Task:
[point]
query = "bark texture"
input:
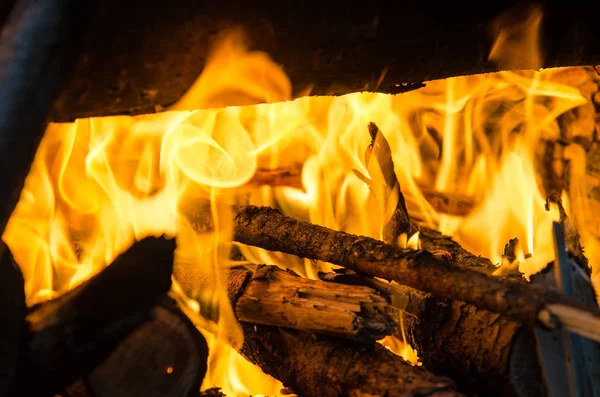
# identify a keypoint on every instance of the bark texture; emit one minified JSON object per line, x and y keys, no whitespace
{"x":321,"y":366}
{"x":281,"y":298}
{"x":471,"y":345}
{"x":269,"y":229}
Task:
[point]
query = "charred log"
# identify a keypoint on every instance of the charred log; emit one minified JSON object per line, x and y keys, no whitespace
{"x":163,"y":357}
{"x":453,"y":338}
{"x":71,"y":335}
{"x":153,"y":53}
{"x":269,"y":229}
{"x":281,"y":298}
{"x":317,"y":365}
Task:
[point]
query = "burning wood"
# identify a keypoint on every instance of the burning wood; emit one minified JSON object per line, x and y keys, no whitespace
{"x":99,"y":184}
{"x":318,"y":365}
{"x":73,"y":334}
{"x":270,"y":229}
{"x":271,"y":296}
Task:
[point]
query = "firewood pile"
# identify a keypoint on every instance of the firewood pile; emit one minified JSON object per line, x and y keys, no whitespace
{"x":477,"y":331}
{"x":119,"y":333}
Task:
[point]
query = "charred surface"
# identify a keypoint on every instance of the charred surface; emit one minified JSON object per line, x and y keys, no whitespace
{"x":72,"y":334}
{"x":281,"y":298}
{"x":152,"y":52}
{"x":269,"y":229}
{"x":321,"y":366}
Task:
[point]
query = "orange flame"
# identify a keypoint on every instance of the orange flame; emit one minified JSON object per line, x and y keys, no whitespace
{"x":99,"y":184}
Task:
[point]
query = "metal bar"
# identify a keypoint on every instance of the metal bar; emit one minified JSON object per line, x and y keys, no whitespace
{"x":39,"y":47}
{"x":572,"y":342}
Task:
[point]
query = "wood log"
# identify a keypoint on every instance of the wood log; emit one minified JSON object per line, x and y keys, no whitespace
{"x":455,"y":339}
{"x":272,"y":296}
{"x":153,"y":53}
{"x":269,"y":229}
{"x":323,"y":366}
{"x":71,"y":335}
{"x":163,"y":357}
{"x":12,"y":318}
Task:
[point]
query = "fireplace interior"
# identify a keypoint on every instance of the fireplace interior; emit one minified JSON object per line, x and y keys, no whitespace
{"x":299,"y":198}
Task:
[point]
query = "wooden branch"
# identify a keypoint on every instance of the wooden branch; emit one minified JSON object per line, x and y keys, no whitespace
{"x":453,"y":338}
{"x":318,"y":365}
{"x":292,"y":177}
{"x":282,"y":176}
{"x":71,"y":335}
{"x":163,"y":357}
{"x":12,"y":318}
{"x":269,"y":229}
{"x":272,"y":296}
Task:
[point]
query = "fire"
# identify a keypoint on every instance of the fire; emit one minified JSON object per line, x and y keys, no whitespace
{"x":99,"y":184}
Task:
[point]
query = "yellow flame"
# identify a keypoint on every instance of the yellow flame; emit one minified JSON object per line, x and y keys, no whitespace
{"x":99,"y":184}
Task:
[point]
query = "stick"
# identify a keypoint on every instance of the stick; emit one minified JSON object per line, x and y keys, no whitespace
{"x":74,"y":333}
{"x":272,"y":296}
{"x":39,"y":46}
{"x":269,"y":229}
{"x":318,"y":365}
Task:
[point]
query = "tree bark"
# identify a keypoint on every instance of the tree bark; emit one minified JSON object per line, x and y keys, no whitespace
{"x":322,"y":366}
{"x":456,"y":339}
{"x":269,"y":229}
{"x":71,"y":335}
{"x":272,"y":296}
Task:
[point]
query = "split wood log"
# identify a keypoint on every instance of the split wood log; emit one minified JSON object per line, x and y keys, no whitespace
{"x":12,"y":318}
{"x":163,"y":357}
{"x":322,"y":366}
{"x":71,"y":335}
{"x":272,"y":296}
{"x":269,"y":229}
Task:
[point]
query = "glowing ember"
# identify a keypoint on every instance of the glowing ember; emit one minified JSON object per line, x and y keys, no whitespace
{"x":99,"y":184}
